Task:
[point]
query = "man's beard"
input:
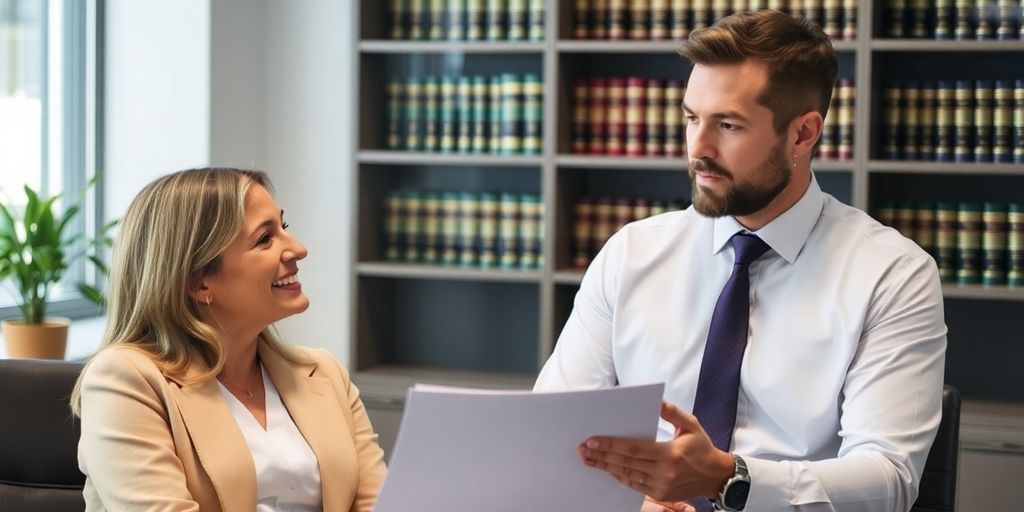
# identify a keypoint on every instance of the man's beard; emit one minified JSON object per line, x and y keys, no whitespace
{"x":741,"y":198}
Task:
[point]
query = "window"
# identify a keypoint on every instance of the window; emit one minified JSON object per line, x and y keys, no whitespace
{"x":48,"y":122}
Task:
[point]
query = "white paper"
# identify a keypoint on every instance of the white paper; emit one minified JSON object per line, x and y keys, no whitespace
{"x":470,"y":450}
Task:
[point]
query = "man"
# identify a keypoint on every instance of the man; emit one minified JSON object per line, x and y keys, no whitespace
{"x":810,"y":346}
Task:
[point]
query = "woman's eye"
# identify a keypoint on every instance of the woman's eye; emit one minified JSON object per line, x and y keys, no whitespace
{"x":265,"y":239}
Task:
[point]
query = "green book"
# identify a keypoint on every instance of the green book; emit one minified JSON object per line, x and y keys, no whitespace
{"x":412,"y":226}
{"x":431,"y":96}
{"x":508,"y":231}
{"x":533,"y":106}
{"x":448,"y":114}
{"x":393,"y":226}
{"x":488,"y":230}
{"x":469,"y":229}
{"x":450,"y":228}
{"x":431,"y":212}
{"x":511,"y":114}
{"x":464,"y":105}
{"x":413,"y":114}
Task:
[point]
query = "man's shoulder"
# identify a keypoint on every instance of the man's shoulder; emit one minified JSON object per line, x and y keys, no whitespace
{"x":854,"y":231}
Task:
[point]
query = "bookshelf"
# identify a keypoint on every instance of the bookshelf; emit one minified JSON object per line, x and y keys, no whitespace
{"x":495,"y":328}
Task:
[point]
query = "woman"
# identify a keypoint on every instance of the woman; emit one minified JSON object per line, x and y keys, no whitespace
{"x":192,"y":403}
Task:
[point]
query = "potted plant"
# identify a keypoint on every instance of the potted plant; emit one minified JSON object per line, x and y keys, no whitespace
{"x":36,"y":250}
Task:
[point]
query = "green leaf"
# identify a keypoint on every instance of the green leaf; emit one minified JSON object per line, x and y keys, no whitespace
{"x":100,"y":265}
{"x":92,"y":293}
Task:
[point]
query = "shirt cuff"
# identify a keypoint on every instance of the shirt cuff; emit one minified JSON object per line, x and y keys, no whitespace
{"x":771,"y":485}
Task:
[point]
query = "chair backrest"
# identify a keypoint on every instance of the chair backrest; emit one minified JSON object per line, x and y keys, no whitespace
{"x":39,"y":437}
{"x":938,"y":483}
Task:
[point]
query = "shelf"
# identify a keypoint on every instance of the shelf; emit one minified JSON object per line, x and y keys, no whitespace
{"x":925,"y":167}
{"x":405,"y":47}
{"x":393,"y":381}
{"x":568,"y":277}
{"x":416,"y":271}
{"x":924,"y":45}
{"x":667,"y":163}
{"x":977,"y":291}
{"x":601,"y":46}
{"x":425,"y":158}
{"x":992,"y":426}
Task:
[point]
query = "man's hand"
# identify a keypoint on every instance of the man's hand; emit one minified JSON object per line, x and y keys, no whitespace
{"x":653,"y":505}
{"x":686,"y":467}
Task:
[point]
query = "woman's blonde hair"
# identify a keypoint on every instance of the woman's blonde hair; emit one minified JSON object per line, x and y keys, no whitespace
{"x":172,"y":236}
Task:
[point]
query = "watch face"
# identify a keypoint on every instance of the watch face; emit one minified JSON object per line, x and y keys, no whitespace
{"x":736,"y":495}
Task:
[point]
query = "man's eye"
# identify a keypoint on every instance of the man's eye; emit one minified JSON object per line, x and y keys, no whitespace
{"x":691,"y":119}
{"x":728,"y":126}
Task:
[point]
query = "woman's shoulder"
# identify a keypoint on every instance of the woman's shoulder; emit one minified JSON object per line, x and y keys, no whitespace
{"x":122,"y":359}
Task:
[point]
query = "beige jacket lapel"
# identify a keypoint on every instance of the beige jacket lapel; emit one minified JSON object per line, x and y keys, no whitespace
{"x":219,"y":444}
{"x":314,"y":407}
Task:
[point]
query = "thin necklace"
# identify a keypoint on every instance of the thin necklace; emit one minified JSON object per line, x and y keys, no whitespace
{"x":249,"y":392}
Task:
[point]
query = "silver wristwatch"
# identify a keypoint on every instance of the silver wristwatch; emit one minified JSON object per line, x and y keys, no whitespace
{"x":734,"y":495}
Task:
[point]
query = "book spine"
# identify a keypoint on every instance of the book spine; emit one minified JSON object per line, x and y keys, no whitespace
{"x":778,"y":5}
{"x":511,"y":114}
{"x":579,"y":115}
{"x":846,"y":112}
{"x":944,"y":19}
{"x":892,"y":96}
{"x":488,"y":230}
{"x":701,"y":14}
{"x":418,"y":19}
{"x":529,"y":230}
{"x":983,"y":98}
{"x":944,"y":107}
{"x":533,"y":95}
{"x":450,"y":228}
{"x":1018,"y":121}
{"x":680,"y":19}
{"x":456,"y":20}
{"x":968,"y":243}
{"x":640,"y":13}
{"x":658,"y":207}
{"x":641,"y":208}
{"x":518,"y":21}
{"x":431,"y":207}
{"x":993,"y":244}
{"x":394,"y":114}
{"x":833,"y":16}
{"x":813,"y":11}
{"x":392,"y":226}
{"x":475,"y":23}
{"x":1015,"y":244}
{"x":911,"y":121}
{"x":495,"y":93}
{"x":653,"y":121}
{"x":603,"y":226}
{"x":431,"y":95}
{"x":615,"y":144}
{"x":411,"y":226}
{"x":1007,"y":20}
{"x":964,"y":23}
{"x":849,"y":20}
{"x":398,"y":13}
{"x":945,"y":240}
{"x":985,"y":28}
{"x":413,"y":112}
{"x":469,"y":229}
{"x":904,"y":221}
{"x":828,"y":149}
{"x":448,"y":114}
{"x":508,"y":231}
{"x":599,"y":12}
{"x":480,"y":111}
{"x":497,"y":19}
{"x":963,"y":115}
{"x":1002,"y":122}
{"x":464,"y":106}
{"x":919,"y":18}
{"x":659,"y":19}
{"x":674,"y":122}
{"x":635,"y":106}
{"x":581,"y":20}
{"x":895,"y":10}
{"x":537,"y":20}
{"x":437,"y":13}
{"x":924,"y":226}
{"x":926,"y":147}
{"x":757,"y":5}
{"x":596,"y":116}
{"x":720,"y":9}
{"x":886,"y":213}
{"x":622,"y":213}
{"x":617,"y":19}
{"x":583,"y":212}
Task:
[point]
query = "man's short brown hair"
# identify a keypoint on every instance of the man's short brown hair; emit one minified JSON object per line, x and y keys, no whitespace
{"x":800,"y":61}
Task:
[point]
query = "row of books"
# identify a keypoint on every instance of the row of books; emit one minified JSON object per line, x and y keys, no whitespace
{"x":961,"y":121}
{"x":836,"y":141}
{"x":469,"y":229}
{"x":596,"y":219}
{"x":675,"y":19}
{"x":498,"y":115}
{"x":467,"y":20}
{"x":954,"y":19}
{"x":971,"y":242}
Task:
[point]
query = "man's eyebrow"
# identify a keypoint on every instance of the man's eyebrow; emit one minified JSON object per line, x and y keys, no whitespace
{"x":728,"y":114}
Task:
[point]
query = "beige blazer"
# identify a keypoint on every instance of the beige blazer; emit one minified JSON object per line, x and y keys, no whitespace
{"x":152,"y":442}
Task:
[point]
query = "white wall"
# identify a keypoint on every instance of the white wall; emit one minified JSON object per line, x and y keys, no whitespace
{"x":243,"y":83}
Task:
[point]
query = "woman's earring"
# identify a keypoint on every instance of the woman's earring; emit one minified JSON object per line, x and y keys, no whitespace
{"x":207,"y":300}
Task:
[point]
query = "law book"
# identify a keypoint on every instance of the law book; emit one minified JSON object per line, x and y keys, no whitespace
{"x":418,"y":19}
{"x":828,"y":148}
{"x":497,"y":19}
{"x":597,"y":121}
{"x":456,"y":20}
{"x":398,"y":13}
{"x":449,"y":228}
{"x":911,"y":120}
{"x":431,"y":208}
{"x":494,"y":88}
{"x":739,"y":6}
{"x":719,"y":9}
{"x":579,"y":115}
{"x":904,"y":221}
{"x":895,"y":11}
{"x":536,"y":8}
{"x":531,"y":213}
{"x":1015,"y":244}
{"x":488,"y":209}
{"x":641,"y":208}
{"x":508,"y":230}
{"x":636,"y":106}
{"x":963,"y":116}
{"x":919,"y":11}
{"x":944,"y":19}
{"x":892,"y":99}
{"x":603,"y":226}
{"x":924,"y":226}
{"x":431,"y":119}
{"x":983,"y":104}
{"x":617,"y":19}
{"x":945,"y":240}
{"x":511,"y":114}
{"x":475,"y":20}
{"x":622,"y":212}
{"x":533,"y":95}
{"x":757,"y":5}
{"x":464,"y":107}
{"x":964,"y":20}
{"x":411,"y":226}
{"x":968,"y":243}
{"x":993,"y":243}
{"x":813,"y":11}
{"x":481,"y":109}
{"x":392,"y":226}
{"x":581,"y":20}
{"x":796,"y":8}
{"x":849,"y":20}
{"x":1002,"y":122}
{"x":469,"y":229}
{"x":944,"y":106}
{"x":413,"y":113}
{"x":653,"y":119}
{"x":886,"y":213}
{"x":677,"y":205}
{"x":1018,"y":121}
{"x":680,"y":19}
{"x":833,"y":18}
{"x":437,"y":15}
{"x":639,"y":14}
{"x":926,"y":146}
{"x":846,"y":114}
{"x":779,"y":5}
{"x":394,"y":114}
{"x":583,"y":211}
{"x":985,"y":28}
{"x":1007,"y":29}
{"x":673,"y":118}
{"x":518,"y":20}
{"x":701,"y":11}
{"x":448,"y":115}
{"x":616,"y":114}
{"x":599,"y":19}
{"x":658,"y":206}
{"x":659,"y":19}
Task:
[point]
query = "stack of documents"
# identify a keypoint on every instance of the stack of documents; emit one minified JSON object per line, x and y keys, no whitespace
{"x":461,"y":450}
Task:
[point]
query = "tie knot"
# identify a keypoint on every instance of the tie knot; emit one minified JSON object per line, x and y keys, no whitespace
{"x":748,"y":248}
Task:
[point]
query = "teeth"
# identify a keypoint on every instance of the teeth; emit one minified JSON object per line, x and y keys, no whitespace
{"x":294,"y":278}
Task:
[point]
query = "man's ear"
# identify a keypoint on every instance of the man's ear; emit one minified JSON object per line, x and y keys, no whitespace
{"x":808,"y":127}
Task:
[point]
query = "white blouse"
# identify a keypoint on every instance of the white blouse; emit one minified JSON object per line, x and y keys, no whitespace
{"x":287,"y":473}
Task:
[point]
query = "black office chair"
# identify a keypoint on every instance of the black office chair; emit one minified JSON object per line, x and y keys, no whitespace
{"x":39,"y":437}
{"x":938,"y":483}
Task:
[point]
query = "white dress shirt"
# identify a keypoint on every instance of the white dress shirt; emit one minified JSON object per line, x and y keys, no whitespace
{"x":841,"y":383}
{"x":287,"y":473}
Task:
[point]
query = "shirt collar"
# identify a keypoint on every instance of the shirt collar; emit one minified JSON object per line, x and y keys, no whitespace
{"x":787,"y":233}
